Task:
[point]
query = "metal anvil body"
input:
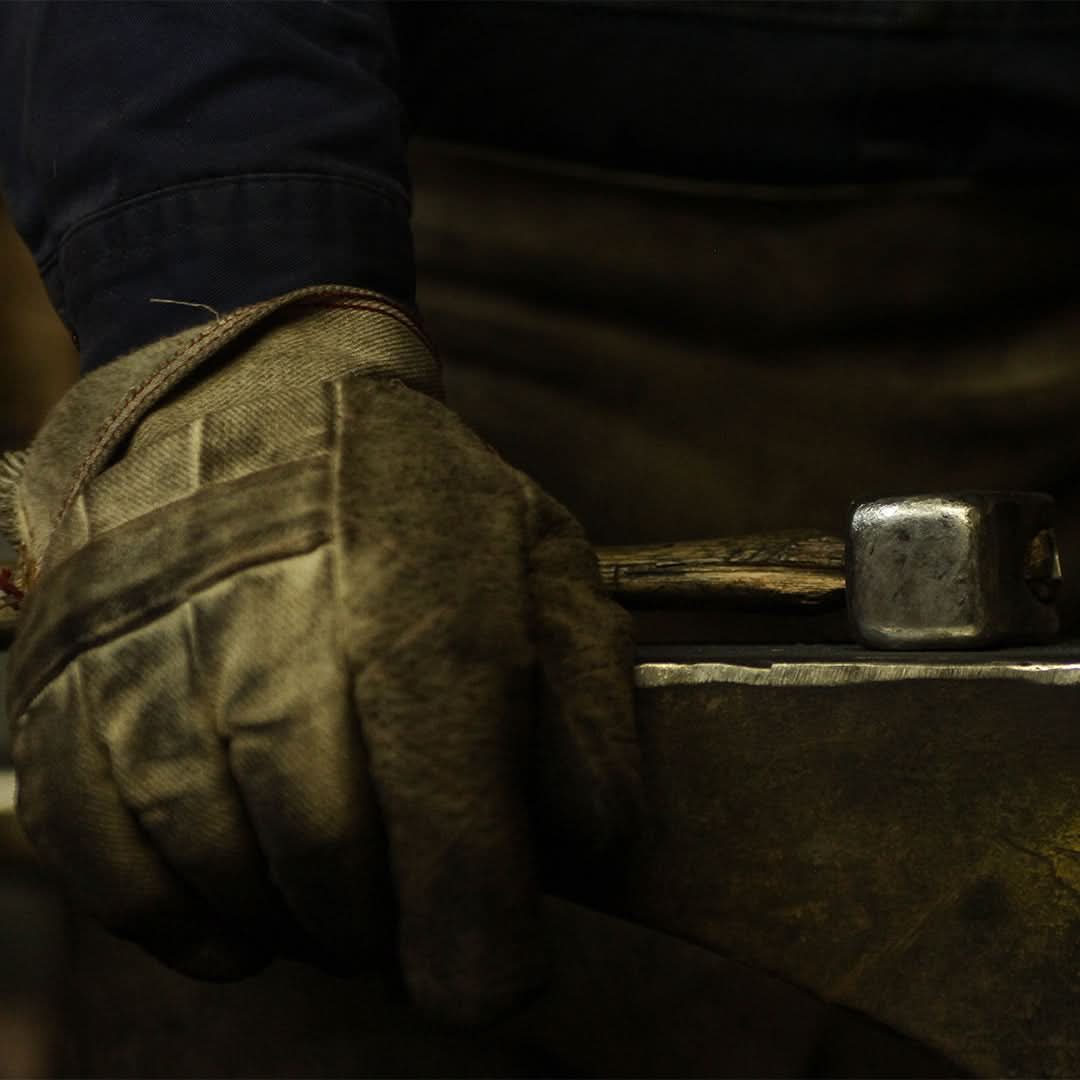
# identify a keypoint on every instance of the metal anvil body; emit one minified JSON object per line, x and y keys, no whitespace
{"x":899,"y":833}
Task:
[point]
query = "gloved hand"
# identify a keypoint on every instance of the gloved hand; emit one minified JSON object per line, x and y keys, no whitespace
{"x":303,"y":664}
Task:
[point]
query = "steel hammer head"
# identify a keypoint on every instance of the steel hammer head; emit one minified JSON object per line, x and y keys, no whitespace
{"x":957,"y":571}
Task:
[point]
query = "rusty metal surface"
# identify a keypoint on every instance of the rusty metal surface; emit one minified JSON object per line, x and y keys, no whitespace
{"x":897,"y":832}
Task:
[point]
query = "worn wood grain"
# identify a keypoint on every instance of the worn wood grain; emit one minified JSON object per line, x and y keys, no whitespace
{"x":780,"y":571}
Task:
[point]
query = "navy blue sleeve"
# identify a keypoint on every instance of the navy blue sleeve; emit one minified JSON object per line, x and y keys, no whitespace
{"x":215,"y":153}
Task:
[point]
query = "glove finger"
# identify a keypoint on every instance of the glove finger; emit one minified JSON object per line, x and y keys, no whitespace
{"x":89,"y":840}
{"x":445,"y":739}
{"x":433,"y":595}
{"x":587,"y":759}
{"x":296,"y":753}
{"x":155,"y":696}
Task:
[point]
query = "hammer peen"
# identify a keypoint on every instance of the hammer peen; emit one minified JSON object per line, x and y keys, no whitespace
{"x":968,"y":570}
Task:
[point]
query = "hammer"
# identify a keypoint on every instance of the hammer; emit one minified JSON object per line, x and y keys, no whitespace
{"x":969,"y":570}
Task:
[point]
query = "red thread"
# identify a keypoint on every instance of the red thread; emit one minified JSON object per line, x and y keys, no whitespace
{"x":11,"y":591}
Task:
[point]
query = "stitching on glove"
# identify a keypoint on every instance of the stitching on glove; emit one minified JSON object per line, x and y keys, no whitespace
{"x":395,"y":313}
{"x":155,"y":378}
{"x":188,"y":356}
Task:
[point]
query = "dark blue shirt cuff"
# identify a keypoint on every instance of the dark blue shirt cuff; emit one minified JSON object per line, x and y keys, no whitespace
{"x":215,"y":153}
{"x":222,"y":243}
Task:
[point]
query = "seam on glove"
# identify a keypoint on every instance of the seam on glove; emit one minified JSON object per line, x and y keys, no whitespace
{"x":85,"y":607}
{"x":399,"y":315}
{"x":175,"y":365}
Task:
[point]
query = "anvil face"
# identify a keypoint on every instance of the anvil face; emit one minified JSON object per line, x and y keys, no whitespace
{"x":827,"y":665}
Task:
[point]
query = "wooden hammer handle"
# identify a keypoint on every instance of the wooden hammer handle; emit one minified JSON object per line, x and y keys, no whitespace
{"x":784,"y":571}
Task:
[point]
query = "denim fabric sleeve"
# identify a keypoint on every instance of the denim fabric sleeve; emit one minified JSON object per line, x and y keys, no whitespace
{"x":213,"y":153}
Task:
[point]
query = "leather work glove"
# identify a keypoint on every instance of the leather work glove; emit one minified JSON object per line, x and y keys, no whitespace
{"x":303,"y":666}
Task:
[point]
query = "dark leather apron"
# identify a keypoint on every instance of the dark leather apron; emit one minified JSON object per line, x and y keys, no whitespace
{"x":675,"y":359}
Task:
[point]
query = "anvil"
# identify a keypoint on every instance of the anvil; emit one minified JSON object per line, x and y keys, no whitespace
{"x":897,"y":832}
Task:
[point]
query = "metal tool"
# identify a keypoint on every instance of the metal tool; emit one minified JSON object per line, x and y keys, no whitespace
{"x":897,"y":832}
{"x":967,"y":570}
{"x":964,"y":570}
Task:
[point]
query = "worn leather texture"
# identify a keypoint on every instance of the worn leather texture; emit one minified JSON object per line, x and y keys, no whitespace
{"x":304,"y":666}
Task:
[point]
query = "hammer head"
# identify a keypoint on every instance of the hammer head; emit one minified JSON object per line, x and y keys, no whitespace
{"x":959,"y":571}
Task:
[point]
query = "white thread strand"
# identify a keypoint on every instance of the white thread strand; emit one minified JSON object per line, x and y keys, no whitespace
{"x":184,"y":303}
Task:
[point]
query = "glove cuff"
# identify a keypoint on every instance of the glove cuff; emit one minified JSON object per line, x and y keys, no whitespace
{"x":286,"y":343}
